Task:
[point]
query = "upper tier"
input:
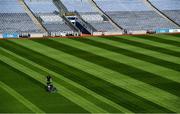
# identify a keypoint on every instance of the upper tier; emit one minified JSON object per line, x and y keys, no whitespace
{"x":122,"y":5}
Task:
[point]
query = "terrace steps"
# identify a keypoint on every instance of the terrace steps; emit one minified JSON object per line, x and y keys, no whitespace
{"x":148,"y":3}
{"x":96,"y":7}
{"x":32,"y":16}
{"x":60,"y":6}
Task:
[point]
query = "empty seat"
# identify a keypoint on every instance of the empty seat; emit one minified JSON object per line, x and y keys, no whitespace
{"x":57,"y":27}
{"x":47,"y":11}
{"x":51,"y":18}
{"x":89,"y":14}
{"x":166,"y":4}
{"x":174,"y":15}
{"x":144,"y":20}
{"x":134,"y":15}
{"x":41,"y":6}
{"x":92,"y":17}
{"x":104,"y":26}
{"x":78,"y":5}
{"x":121,"y":5}
{"x":17,"y":22}
{"x":10,"y":6}
{"x":14,"y":19}
{"x":171,"y":8}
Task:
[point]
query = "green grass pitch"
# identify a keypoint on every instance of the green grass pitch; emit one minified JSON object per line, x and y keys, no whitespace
{"x":119,"y":74}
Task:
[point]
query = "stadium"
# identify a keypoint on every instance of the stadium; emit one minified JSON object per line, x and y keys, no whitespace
{"x":89,"y":56}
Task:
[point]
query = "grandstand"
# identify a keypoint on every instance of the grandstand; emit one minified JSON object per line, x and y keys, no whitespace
{"x":55,"y":25}
{"x":134,"y":15}
{"x":13,"y":18}
{"x":169,"y":8}
{"x":91,"y":15}
{"x":95,"y":17}
{"x":48,"y":15}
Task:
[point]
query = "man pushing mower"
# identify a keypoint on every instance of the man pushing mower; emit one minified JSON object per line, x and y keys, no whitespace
{"x":50,"y":88}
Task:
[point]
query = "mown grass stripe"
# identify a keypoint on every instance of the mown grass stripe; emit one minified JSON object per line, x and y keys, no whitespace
{"x":103,"y":99}
{"x":130,"y":63}
{"x":168,"y":37}
{"x":63,"y":91}
{"x":161,"y":41}
{"x":144,"y":44}
{"x":9,"y":104}
{"x":55,"y":67}
{"x":131,"y":53}
{"x":131,"y":101}
{"x":176,"y":35}
{"x":20,"y":98}
{"x":65,"y":84}
{"x":35,"y":91}
{"x":144,"y":90}
{"x":149,"y":40}
{"x":172,"y":61}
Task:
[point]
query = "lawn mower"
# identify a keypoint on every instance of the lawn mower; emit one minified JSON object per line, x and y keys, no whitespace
{"x":49,"y":87}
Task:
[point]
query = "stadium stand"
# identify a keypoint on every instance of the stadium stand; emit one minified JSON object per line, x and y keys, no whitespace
{"x":51,"y":18}
{"x":41,"y":6}
{"x":78,"y":5}
{"x":54,"y":23}
{"x":46,"y":12}
{"x":97,"y":21}
{"x":170,"y":8}
{"x":90,"y":15}
{"x":10,"y":6}
{"x":13,"y":18}
{"x":134,"y":15}
{"x":96,"y":17}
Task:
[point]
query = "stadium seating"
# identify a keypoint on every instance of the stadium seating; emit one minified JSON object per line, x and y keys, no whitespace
{"x":143,"y":20}
{"x":57,"y":27}
{"x":14,"y":19}
{"x":92,"y":17}
{"x":171,"y":8}
{"x":166,"y":4}
{"x":104,"y":26}
{"x":51,"y":18}
{"x":78,"y":5}
{"x":97,"y":21}
{"x":133,"y":15}
{"x":46,"y":10}
{"x":89,"y":14}
{"x":54,"y":23}
{"x":174,"y":15}
{"x":10,"y":6}
{"x":17,"y":22}
{"x":41,"y":6}
{"x":121,"y":5}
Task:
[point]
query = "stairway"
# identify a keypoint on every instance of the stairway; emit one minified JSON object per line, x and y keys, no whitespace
{"x":98,"y":9}
{"x":32,"y":16}
{"x":80,"y":25}
{"x":150,"y":5}
{"x":60,"y":6}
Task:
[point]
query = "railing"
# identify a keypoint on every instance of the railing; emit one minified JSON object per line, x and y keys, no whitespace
{"x":161,"y":12}
{"x":70,"y":24}
{"x":60,"y":6}
{"x":86,"y":25}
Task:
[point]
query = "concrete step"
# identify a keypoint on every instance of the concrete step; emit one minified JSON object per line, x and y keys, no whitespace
{"x":32,"y":16}
{"x":151,"y":6}
{"x":98,"y":9}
